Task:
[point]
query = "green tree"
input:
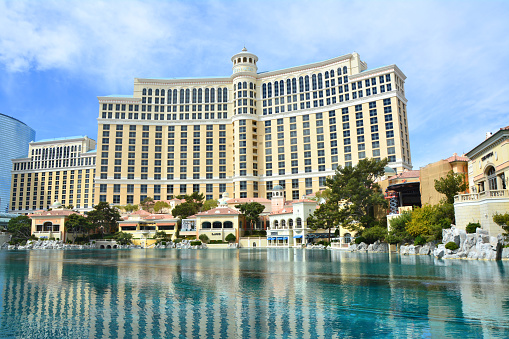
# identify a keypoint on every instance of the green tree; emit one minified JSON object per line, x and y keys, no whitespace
{"x":451,"y":185}
{"x":209,"y":204}
{"x":398,"y":233}
{"x":503,"y":221}
{"x":20,"y":227}
{"x":251,"y":211}
{"x":158,"y":206}
{"x":161,"y":236}
{"x":429,"y":221}
{"x":129,"y":208}
{"x":204,"y":238}
{"x":354,"y":194}
{"x":326,"y":216}
{"x":192,"y":205}
{"x":77,"y":223}
{"x":123,"y":238}
{"x":104,"y":216}
{"x":148,"y":204}
{"x":372,"y":234}
{"x":230,"y":238}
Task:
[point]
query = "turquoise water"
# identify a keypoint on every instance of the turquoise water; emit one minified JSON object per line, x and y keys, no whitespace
{"x":249,"y":293}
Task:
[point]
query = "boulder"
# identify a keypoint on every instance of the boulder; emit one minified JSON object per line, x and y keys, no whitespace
{"x":439,"y":252}
{"x":413,"y":249}
{"x":505,"y":253}
{"x":352,"y":247}
{"x":362,"y":247}
{"x":427,"y":249}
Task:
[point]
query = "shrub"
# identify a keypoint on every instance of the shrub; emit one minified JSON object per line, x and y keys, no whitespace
{"x":230,"y":238}
{"x":177,"y":240}
{"x":374,"y":233}
{"x":428,"y":221}
{"x":398,"y":233}
{"x":419,"y":241}
{"x":216,"y":242}
{"x":196,"y":243}
{"x":358,"y":240}
{"x":203,"y":238}
{"x":163,"y":243}
{"x":451,"y":245}
{"x":472,"y":226}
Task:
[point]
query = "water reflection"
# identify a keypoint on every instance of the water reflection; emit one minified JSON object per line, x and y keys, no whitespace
{"x":248,"y":293}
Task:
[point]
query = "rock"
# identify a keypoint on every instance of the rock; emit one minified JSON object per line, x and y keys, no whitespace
{"x":362,"y":247}
{"x":439,"y":252}
{"x":505,"y":253}
{"x":352,"y":247}
{"x":427,"y":249}
{"x":403,"y":250}
{"x":413,"y":250}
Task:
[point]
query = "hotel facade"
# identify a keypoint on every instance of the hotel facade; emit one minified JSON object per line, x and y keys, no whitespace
{"x":246,"y":133}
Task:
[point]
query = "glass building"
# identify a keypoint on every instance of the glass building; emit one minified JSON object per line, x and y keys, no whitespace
{"x":14,"y":138}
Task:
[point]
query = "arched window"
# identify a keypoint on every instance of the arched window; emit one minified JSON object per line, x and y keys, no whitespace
{"x":239,"y":60}
{"x":313,"y":81}
{"x":245,"y":59}
{"x":162,"y":92}
{"x":276,"y":89}
{"x":275,"y":224}
{"x":301,"y":84}
{"x":206,"y":224}
{"x":269,"y":90}
{"x":157,"y":92}
{"x":332,"y":73}
{"x":306,"y":82}
{"x":347,"y":238}
{"x":219,"y":95}
{"x":290,"y":223}
{"x":288,"y":86}
{"x":250,"y":60}
{"x":282,"y":87}
{"x":264,"y":90}
{"x":150,"y":91}
{"x":345,"y":70}
{"x":294,"y":85}
{"x":239,"y":86}
{"x":283,"y":223}
{"x":182,"y":96}
{"x":144,"y":92}
{"x":212,"y":94}
{"x":175,"y":96}
{"x":244,"y":85}
{"x":320,"y":81}
{"x":200,"y":95}
{"x":492,"y":178}
{"x":217,"y":224}
{"x":339,"y":71}
{"x":195,"y":95}
{"x":250,"y":85}
{"x":228,"y":224}
{"x":188,"y":94}
{"x":326,"y":74}
{"x":299,"y":222}
{"x":225,"y":95}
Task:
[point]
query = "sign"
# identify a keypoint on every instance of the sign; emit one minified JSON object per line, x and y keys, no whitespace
{"x":216,"y":233}
{"x":487,"y":156}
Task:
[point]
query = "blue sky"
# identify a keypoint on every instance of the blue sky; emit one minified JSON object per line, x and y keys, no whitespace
{"x":56,"y":57}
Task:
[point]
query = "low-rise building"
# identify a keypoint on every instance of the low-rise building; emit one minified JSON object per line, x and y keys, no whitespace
{"x":51,"y":224}
{"x":488,"y":172}
{"x":144,"y":225}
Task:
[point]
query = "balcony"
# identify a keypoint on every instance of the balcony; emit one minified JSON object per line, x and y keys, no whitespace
{"x":482,"y":195}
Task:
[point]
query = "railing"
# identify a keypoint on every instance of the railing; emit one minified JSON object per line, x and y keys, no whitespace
{"x":481,"y":195}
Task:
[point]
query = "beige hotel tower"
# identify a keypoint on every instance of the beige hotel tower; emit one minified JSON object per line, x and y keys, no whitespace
{"x":246,"y":133}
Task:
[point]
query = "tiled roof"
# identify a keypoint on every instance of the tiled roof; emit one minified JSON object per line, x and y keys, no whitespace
{"x":159,"y":216}
{"x":53,"y":213}
{"x":219,"y":210}
{"x":456,"y":157}
{"x":406,"y":174}
{"x":285,"y":210}
{"x":303,"y":200}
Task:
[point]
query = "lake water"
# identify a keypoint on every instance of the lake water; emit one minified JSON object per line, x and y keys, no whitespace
{"x":249,"y":293}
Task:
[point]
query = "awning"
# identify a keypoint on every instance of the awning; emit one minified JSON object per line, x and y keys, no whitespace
{"x":270,"y":238}
{"x":280,"y":238}
{"x":286,"y":238}
{"x":297,"y":236}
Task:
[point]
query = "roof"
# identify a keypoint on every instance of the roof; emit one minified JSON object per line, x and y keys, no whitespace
{"x":52,"y":213}
{"x":501,"y":133}
{"x":285,"y":210}
{"x":140,"y":212}
{"x":406,"y":174}
{"x":219,"y":211}
{"x":159,"y":216}
{"x":302,"y":200}
{"x":456,"y":157}
{"x":244,"y":200}
{"x":60,"y":139}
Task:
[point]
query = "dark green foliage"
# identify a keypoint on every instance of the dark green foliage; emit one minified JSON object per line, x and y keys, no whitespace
{"x":148,"y":204}
{"x":20,"y":228}
{"x":230,"y":238}
{"x":77,"y":223}
{"x":336,"y":233}
{"x":123,"y":238}
{"x":360,"y":239}
{"x":251,"y":212}
{"x":503,"y":221}
{"x":472,"y":226}
{"x":104,"y":217}
{"x":419,"y":241}
{"x":204,"y":238}
{"x":177,"y":240}
{"x":451,"y":185}
{"x":451,"y":245}
{"x":216,"y":242}
{"x":196,"y":243}
{"x":192,"y":205}
{"x":374,"y":233}
{"x":429,"y":221}
{"x":398,"y":233}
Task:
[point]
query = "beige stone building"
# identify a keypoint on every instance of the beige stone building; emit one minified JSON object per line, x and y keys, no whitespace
{"x":488,"y":173}
{"x":250,"y":131}
{"x":61,"y":169}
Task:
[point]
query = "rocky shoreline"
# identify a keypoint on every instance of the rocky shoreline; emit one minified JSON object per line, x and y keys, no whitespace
{"x":474,"y":246}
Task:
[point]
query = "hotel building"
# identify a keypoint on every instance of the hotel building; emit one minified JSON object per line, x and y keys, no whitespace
{"x":248,"y":132}
{"x":60,"y":169}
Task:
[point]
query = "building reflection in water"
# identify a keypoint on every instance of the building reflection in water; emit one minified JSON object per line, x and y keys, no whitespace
{"x":247,"y":293}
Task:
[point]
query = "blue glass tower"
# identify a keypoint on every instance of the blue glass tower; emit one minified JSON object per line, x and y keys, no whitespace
{"x":14,"y":139}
